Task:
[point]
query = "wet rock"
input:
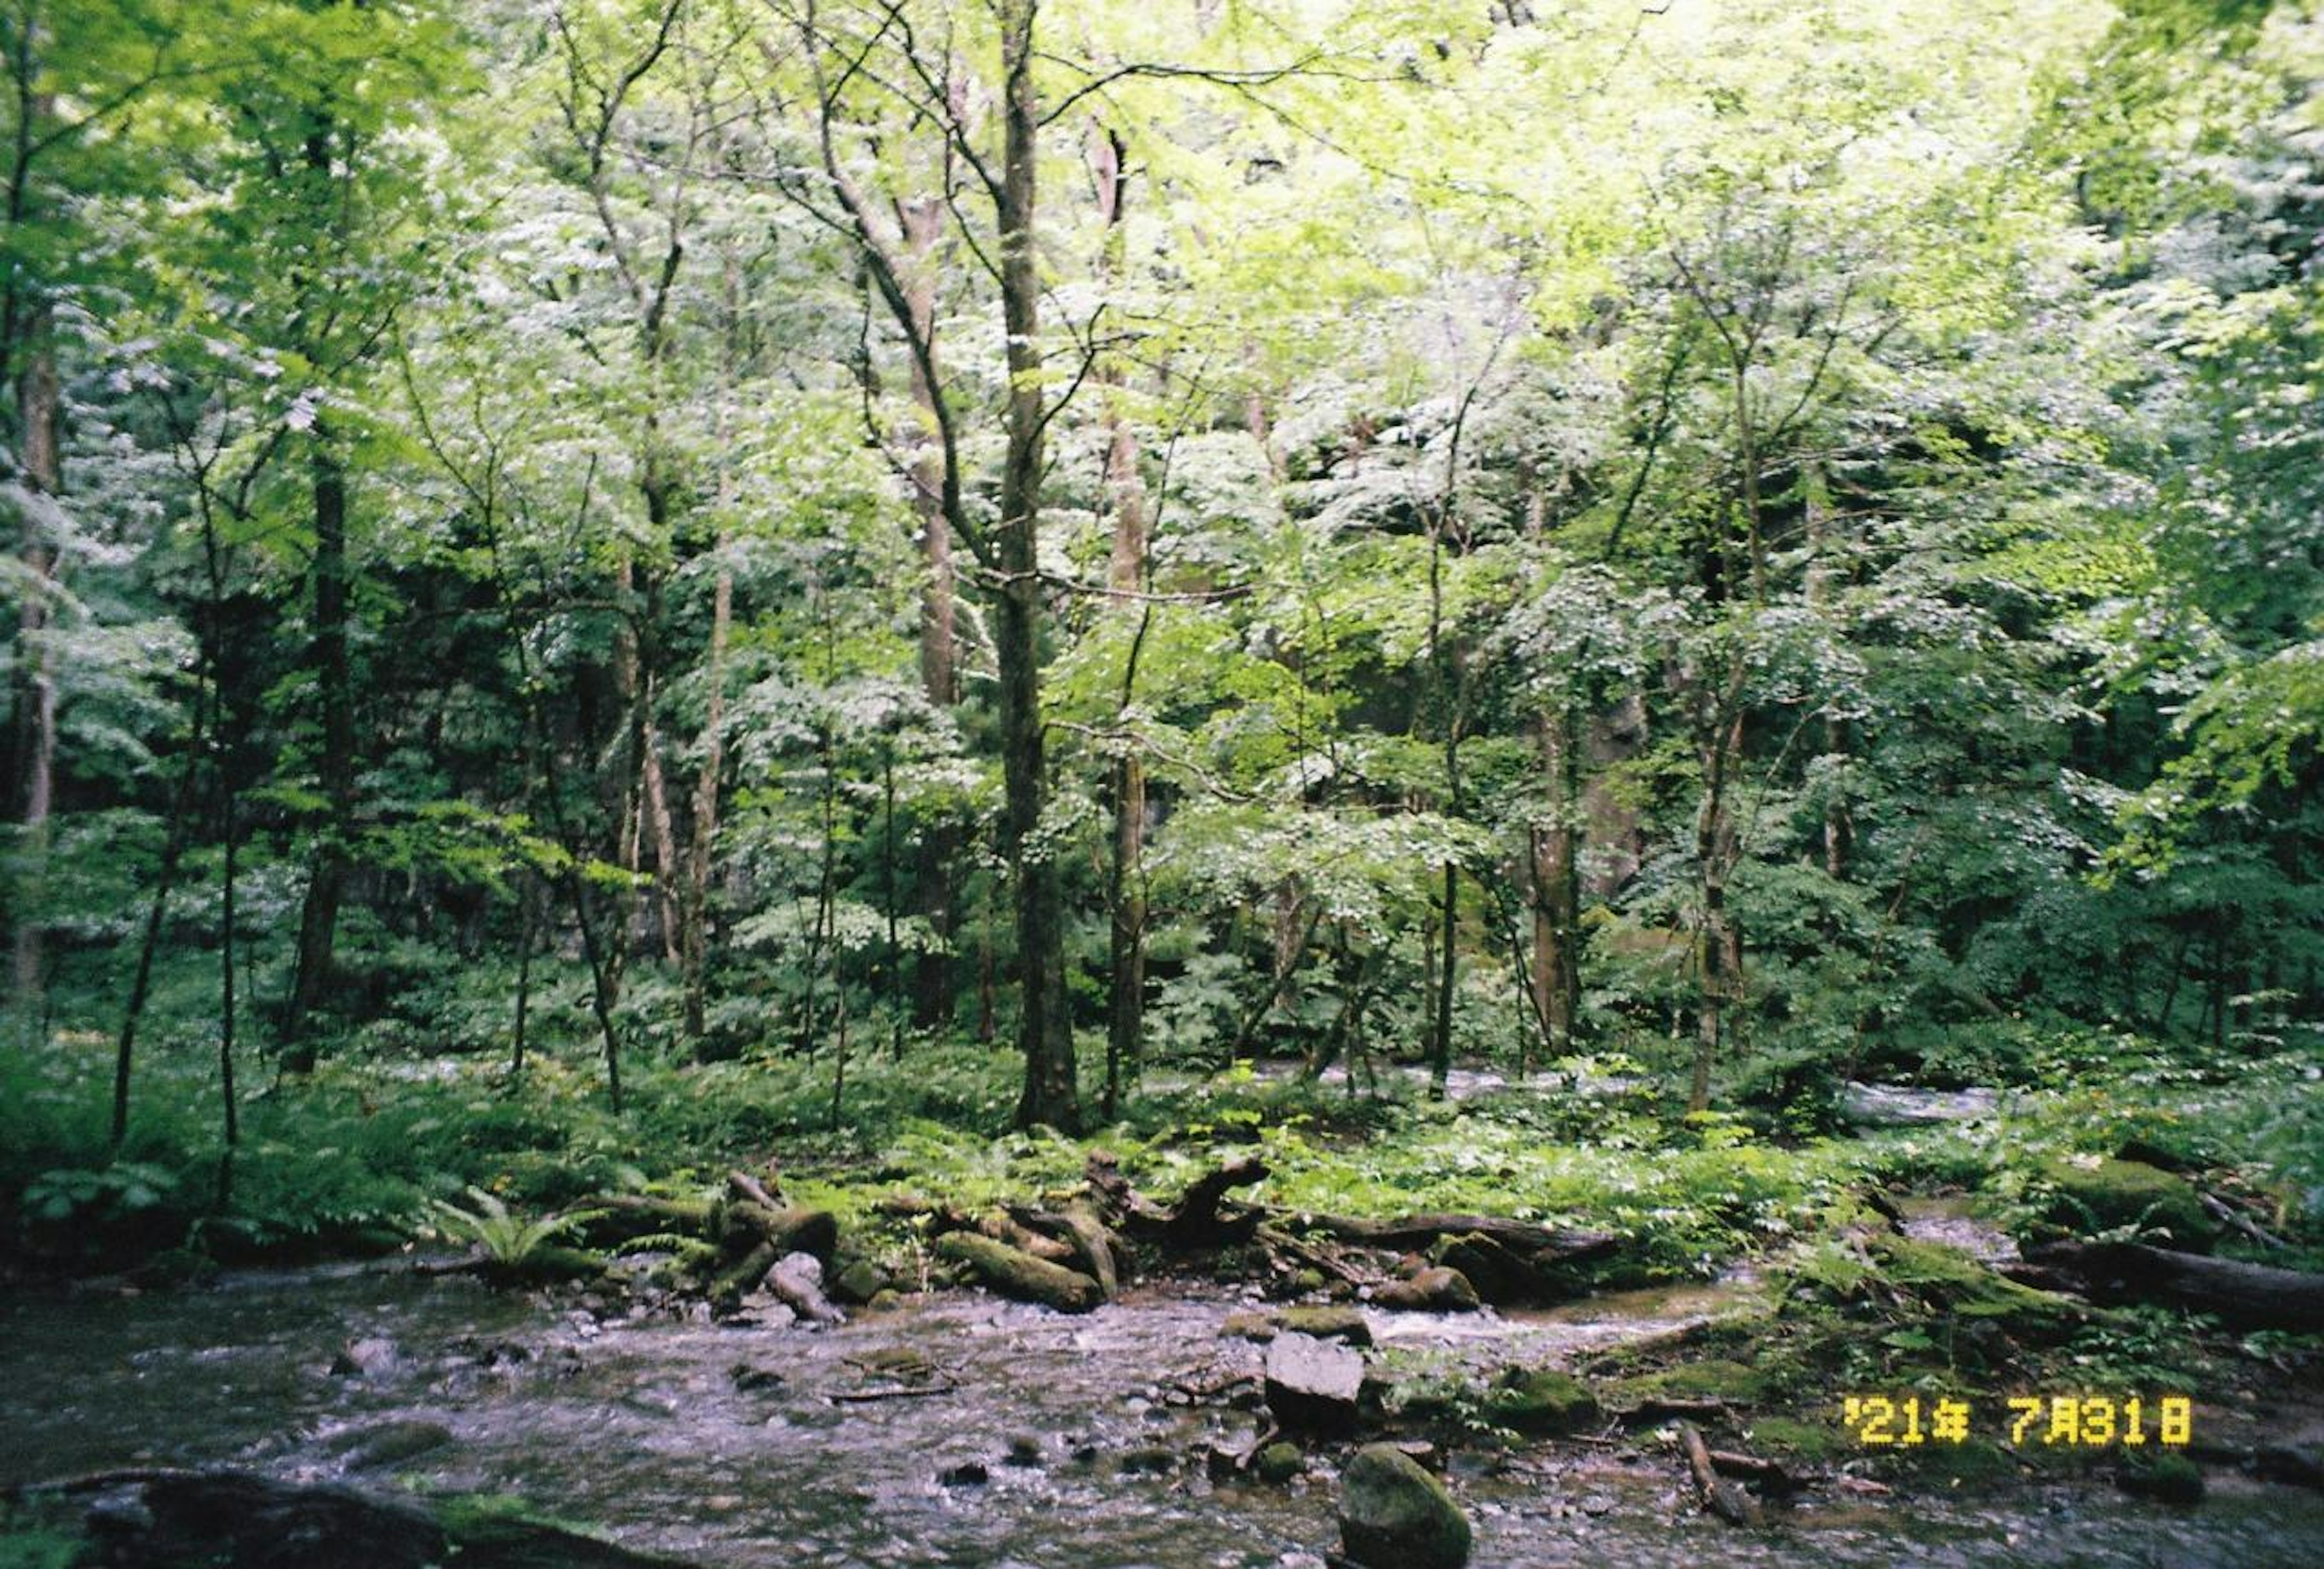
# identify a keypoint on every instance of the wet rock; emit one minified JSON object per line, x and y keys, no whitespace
{"x":753,"y":1380}
{"x":373,"y":1357}
{"x":967,"y":1473}
{"x":1277,"y":1463}
{"x":1344,"y":1325}
{"x":1499,"y":1275}
{"x":1394,"y":1515}
{"x":387,"y":1443}
{"x":1314,"y":1385}
{"x":796,"y":1279}
{"x":1147,"y":1460}
{"x":2282,"y":1462}
{"x":1015,"y":1273}
{"x":1434,"y":1288}
{"x":1258,"y":1326}
{"x":1024,"y":1452}
{"x":2167,"y":1479}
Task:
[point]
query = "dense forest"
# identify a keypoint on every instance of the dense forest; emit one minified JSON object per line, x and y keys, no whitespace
{"x":1536,"y":611}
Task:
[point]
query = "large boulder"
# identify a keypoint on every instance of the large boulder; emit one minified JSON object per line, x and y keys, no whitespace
{"x":1394,"y":1515}
{"x":2093,"y":1197}
{"x":1432,"y":1289}
{"x":1312,"y":1385}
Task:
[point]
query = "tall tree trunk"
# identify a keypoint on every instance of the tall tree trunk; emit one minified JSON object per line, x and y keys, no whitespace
{"x":1125,"y":577}
{"x":694,"y":914}
{"x":39,"y":404}
{"x":921,"y":223}
{"x":1051,"y":1095}
{"x":165,"y":877}
{"x":1557,"y":886}
{"x":318,"y":919}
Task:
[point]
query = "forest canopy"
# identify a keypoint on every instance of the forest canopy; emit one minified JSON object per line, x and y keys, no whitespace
{"x":1756,"y":545}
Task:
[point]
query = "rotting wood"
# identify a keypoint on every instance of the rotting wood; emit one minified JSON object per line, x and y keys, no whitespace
{"x":1723,"y":1498}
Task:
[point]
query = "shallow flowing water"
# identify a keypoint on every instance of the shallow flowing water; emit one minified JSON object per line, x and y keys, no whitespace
{"x":826,"y":1449}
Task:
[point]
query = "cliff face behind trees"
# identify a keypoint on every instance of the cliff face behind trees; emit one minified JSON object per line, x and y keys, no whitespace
{"x":691,"y":530}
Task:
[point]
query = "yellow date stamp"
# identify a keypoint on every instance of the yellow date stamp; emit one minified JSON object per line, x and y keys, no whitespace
{"x":2023,"y":1421}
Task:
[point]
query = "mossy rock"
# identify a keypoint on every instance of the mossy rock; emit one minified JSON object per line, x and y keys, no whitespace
{"x":1949,"y":1282}
{"x":1540,"y":1402}
{"x":1716,"y":1379}
{"x":1335,"y":1322}
{"x":1974,"y":1463}
{"x":2167,"y":1479}
{"x":1803,"y":1438}
{"x":1277,"y":1463}
{"x":1394,"y":1515}
{"x":2112,"y":1194}
{"x":550,"y":1264}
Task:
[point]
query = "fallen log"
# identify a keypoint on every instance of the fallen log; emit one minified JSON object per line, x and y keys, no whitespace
{"x":1769,"y":1473}
{"x":727,"y":1287}
{"x":750,"y":1190}
{"x":1723,"y":1498}
{"x":794,"y":1230}
{"x":1197,"y":1220}
{"x":1012,"y":1272}
{"x":2242,"y":1295}
{"x":1003,"y":1228}
{"x":1536,"y":1243}
{"x":611,"y":1219}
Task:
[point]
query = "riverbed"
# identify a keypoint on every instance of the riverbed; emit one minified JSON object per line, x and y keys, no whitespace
{"x":957,"y":1430}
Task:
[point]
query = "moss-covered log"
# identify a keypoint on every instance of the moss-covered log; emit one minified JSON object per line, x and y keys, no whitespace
{"x":1012,"y":1272}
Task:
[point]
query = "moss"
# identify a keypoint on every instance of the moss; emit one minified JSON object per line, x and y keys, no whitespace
{"x":1713,"y":1379}
{"x":1540,"y":1401}
{"x":1278,"y":1463}
{"x":2168,"y":1479}
{"x":1974,"y":1463}
{"x":1804,"y":1438}
{"x":1949,"y":1282}
{"x":2113,"y":1194}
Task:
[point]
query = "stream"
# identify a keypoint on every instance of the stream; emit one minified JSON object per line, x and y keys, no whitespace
{"x":828,"y":1449}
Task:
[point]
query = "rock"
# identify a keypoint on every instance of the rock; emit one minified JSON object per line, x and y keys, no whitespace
{"x":388,"y":1443}
{"x":1024,"y":1452}
{"x":859,"y":1281}
{"x":967,"y":1473}
{"x":1312,"y":1385}
{"x":1499,"y":1275}
{"x":1394,"y":1515}
{"x":1258,"y":1326}
{"x":371,"y":1357}
{"x":1344,"y":1325}
{"x":886,"y":1301}
{"x":1540,"y":1402}
{"x":1432,"y":1289}
{"x":796,"y":1279}
{"x":1277,"y":1463}
{"x":1014,"y":1273}
{"x":2167,"y":1479}
{"x":2108,"y":1194}
{"x":2282,"y":1462}
{"x":752,"y":1381}
{"x":1148,"y":1461}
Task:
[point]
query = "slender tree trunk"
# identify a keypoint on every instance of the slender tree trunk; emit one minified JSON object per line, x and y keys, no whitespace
{"x":319,"y":916}
{"x":922,"y":225}
{"x":226,"y":979}
{"x":527,"y":934}
{"x":1052,"y":1095}
{"x":1558,"y":887}
{"x":165,"y":877}
{"x":40,"y":406}
{"x":693,"y":916}
{"x":1126,"y":576}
